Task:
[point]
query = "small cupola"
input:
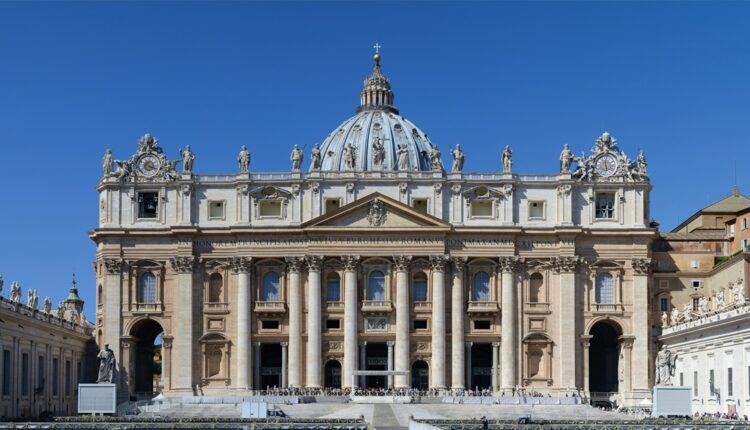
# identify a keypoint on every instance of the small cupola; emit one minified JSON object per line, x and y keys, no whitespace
{"x":376,"y":93}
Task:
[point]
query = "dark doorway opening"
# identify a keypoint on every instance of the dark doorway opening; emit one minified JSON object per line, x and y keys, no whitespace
{"x":603,"y":358}
{"x":270,"y":365}
{"x":333,"y":374}
{"x":481,"y":366}
{"x":376,"y":358}
{"x":420,"y":375}
{"x":147,"y":356}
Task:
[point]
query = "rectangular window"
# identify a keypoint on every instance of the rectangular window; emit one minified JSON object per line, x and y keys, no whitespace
{"x":68,"y":378}
{"x":695,"y":384}
{"x":25,"y":374}
{"x":332,"y":205}
{"x":79,"y":375}
{"x":744,"y":223}
{"x":481,"y":209}
{"x":419,"y":205}
{"x":6,"y":372}
{"x":696,"y":303}
{"x":333,"y":290}
{"x":55,"y":376}
{"x":682,"y":379}
{"x":664,"y":304}
{"x":148,"y":205}
{"x":696,"y":283}
{"x":270,"y":325}
{"x":605,"y":205}
{"x":216,"y":210}
{"x":420,"y":324}
{"x":536,"y":210}
{"x":420,"y":290}
{"x":731,"y":229}
{"x":270,"y":208}
{"x":711,"y":387}
{"x":41,"y":377}
{"x":333,"y":324}
{"x":694,"y":264}
{"x":745,"y":245}
{"x":481,"y":325}
{"x":664,"y":284}
{"x":730,"y":388}
{"x":663,"y":264}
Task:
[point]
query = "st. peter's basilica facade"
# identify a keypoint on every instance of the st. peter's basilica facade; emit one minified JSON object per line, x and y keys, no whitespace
{"x":370,"y":255}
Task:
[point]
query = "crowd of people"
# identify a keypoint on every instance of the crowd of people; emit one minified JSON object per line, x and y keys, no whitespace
{"x":414,"y":392}
{"x":719,"y":416}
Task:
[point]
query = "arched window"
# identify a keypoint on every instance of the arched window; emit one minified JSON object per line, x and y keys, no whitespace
{"x":420,"y":287}
{"x":100,"y":295}
{"x":376,"y":286}
{"x":215,"y":285}
{"x":147,"y":288}
{"x":536,"y":291}
{"x":481,"y":287}
{"x":333,"y":288}
{"x":270,"y":292}
{"x":605,"y":291}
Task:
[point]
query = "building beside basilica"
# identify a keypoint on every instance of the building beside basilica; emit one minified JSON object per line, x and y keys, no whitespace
{"x":371,"y":256}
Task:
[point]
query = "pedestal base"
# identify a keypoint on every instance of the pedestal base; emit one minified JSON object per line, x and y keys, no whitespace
{"x":672,"y":401}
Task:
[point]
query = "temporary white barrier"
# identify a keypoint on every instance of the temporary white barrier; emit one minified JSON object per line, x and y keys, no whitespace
{"x":97,"y":398}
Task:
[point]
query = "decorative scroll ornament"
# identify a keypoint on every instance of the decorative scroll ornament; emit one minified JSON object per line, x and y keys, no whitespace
{"x":148,"y":164}
{"x":182,"y":264}
{"x":641,"y":266}
{"x":607,"y":163}
{"x":376,"y":213}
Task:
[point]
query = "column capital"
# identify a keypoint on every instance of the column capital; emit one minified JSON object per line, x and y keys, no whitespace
{"x":565,"y":264}
{"x":509,"y":264}
{"x":468,"y":344}
{"x":166,"y":341}
{"x":257,"y":344}
{"x":241,"y":264}
{"x":641,"y":266}
{"x":459,"y":263}
{"x":284,"y":344}
{"x":496,"y":344}
{"x":314,"y":263}
{"x":294,"y":264}
{"x":183,"y":264}
{"x":113,"y":266}
{"x":390,"y":343}
{"x":586,"y":340}
{"x":363,"y":344}
{"x":350,"y":262}
{"x":401,"y":262}
{"x":437,"y":262}
{"x":626,"y":341}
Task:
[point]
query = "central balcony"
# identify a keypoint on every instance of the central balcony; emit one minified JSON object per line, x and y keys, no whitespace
{"x":270,"y":307}
{"x":376,"y":307}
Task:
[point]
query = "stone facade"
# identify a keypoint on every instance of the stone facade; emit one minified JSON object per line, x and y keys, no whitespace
{"x":376,"y":258}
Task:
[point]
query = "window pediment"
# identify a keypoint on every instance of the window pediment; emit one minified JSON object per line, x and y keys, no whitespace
{"x":487,"y":193}
{"x":270,"y":193}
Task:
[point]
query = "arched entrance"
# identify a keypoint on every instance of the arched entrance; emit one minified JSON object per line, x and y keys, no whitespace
{"x":420,"y":375}
{"x":147,"y":357}
{"x":604,"y":356}
{"x":332,"y":374}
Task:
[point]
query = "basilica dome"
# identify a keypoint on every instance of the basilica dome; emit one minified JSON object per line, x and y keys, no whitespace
{"x":376,"y":138}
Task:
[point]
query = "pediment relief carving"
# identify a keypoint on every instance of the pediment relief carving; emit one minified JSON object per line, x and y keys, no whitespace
{"x":487,"y":193}
{"x":270,"y":193}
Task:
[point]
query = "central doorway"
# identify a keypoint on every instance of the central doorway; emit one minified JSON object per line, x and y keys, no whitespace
{"x":604,"y":357}
{"x":481,"y":366}
{"x":147,"y":358}
{"x":333,"y":374}
{"x":420,"y":375}
{"x":376,"y":358}
{"x":270,"y":365}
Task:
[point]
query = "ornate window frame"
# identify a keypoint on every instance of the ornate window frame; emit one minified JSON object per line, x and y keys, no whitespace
{"x":272,"y":194}
{"x":544,"y":343}
{"x":135,"y":271}
{"x":212,"y":343}
{"x":381,"y":265}
{"x":617,"y":271}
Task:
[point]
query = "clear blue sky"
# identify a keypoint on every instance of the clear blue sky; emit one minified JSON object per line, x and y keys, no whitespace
{"x":77,"y":78}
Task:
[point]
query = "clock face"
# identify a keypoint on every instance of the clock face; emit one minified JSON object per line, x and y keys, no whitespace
{"x":606,"y":165}
{"x":149,"y":165}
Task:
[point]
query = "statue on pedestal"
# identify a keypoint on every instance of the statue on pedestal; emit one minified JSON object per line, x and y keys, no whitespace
{"x":296,"y":158}
{"x":720,"y":303}
{"x":703,"y":306}
{"x":47,"y":305}
{"x":378,"y":152}
{"x":739,"y":294}
{"x":458,"y":159}
{"x":316,"y":157}
{"x":106,"y":365}
{"x":244,"y":159}
{"x":15,"y":292}
{"x":665,"y":365}
{"x":403,"y":157}
{"x":687,"y":312}
{"x":507,"y":159}
{"x":187,"y":159}
{"x":349,"y":156}
{"x":664,"y":320}
{"x":108,"y":164}
{"x":566,"y":159}
{"x":435,"y":161}
{"x":675,"y":316}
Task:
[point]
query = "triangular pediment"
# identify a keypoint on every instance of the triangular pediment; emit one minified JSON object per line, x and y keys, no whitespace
{"x":376,"y":212}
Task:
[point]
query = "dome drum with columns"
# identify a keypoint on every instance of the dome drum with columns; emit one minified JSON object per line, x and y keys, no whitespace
{"x":374,"y":259}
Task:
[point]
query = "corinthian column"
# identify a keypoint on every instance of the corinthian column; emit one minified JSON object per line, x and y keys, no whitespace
{"x":350,"y":320}
{"x":242,"y":266}
{"x":401,"y":263}
{"x":295,"y":323}
{"x":509,"y":342}
{"x":438,"y":322}
{"x":457,"y":325}
{"x":566,"y":266}
{"x":183,"y":329}
{"x":314,"y":343}
{"x":640,"y":374}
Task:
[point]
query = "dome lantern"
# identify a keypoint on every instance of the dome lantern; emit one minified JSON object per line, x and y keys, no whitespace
{"x":376,"y":92}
